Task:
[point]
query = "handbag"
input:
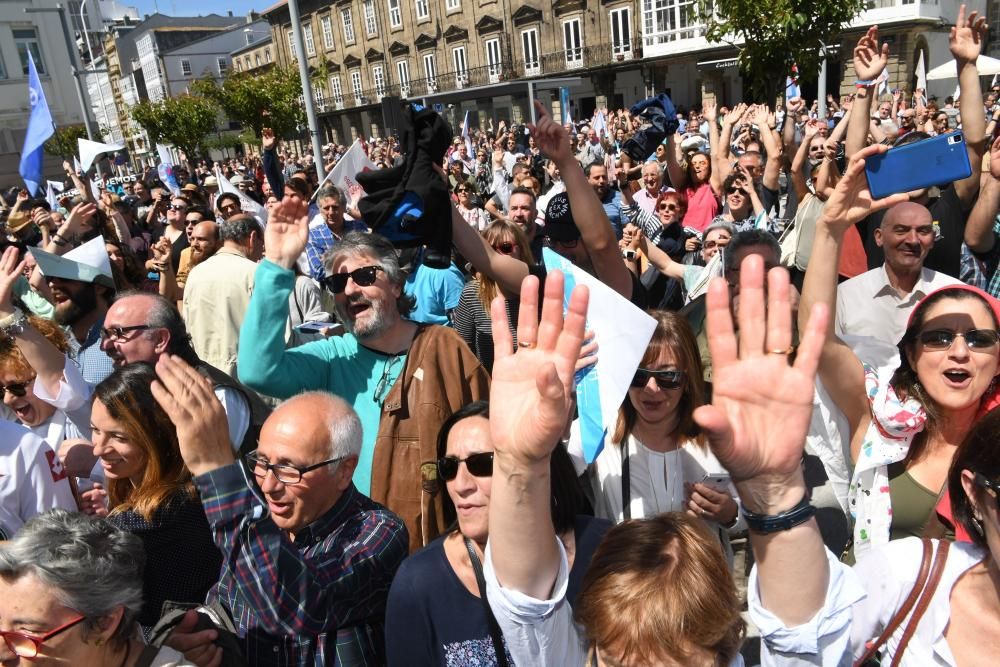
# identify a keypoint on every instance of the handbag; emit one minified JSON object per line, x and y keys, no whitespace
{"x":496,"y":635}
{"x":931,"y":568}
{"x":211,"y":616}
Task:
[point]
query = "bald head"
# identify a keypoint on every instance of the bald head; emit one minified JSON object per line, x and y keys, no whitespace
{"x":906,"y":212}
{"x":204,"y":241}
{"x":321,"y":420}
{"x":906,"y":235}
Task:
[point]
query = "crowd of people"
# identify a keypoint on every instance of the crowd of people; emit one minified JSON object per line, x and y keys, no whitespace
{"x":243,"y":427}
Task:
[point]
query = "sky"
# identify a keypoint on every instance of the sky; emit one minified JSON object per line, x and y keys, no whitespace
{"x":197,"y":7}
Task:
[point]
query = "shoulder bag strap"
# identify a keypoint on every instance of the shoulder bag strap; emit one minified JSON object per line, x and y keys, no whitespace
{"x":904,"y":609}
{"x":495,"y":634}
{"x":940,"y":558}
{"x":626,"y":483}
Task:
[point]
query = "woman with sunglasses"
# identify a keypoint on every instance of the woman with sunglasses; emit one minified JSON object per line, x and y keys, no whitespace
{"x":477,"y":218}
{"x":743,"y":207}
{"x":471,"y":317}
{"x":665,"y":226}
{"x":906,"y":417}
{"x":436,"y":613}
{"x":70,"y":593}
{"x":656,"y":460}
{"x":693,"y":277}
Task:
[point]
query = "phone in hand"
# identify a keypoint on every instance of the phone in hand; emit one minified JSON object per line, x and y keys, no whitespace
{"x":921,"y":164}
{"x":717,"y":480}
{"x":318,"y":327}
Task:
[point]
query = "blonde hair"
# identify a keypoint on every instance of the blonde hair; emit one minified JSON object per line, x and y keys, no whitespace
{"x":502,"y":231}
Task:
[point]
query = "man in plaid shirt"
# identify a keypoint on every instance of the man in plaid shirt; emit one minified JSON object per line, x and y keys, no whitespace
{"x":307,"y":559}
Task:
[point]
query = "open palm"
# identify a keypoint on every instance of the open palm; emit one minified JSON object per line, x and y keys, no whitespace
{"x":851,"y":200}
{"x":870,"y":58}
{"x":287,"y":232}
{"x":966,"y":38}
{"x":531,"y":390}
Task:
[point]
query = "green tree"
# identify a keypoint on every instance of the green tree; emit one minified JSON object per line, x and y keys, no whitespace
{"x":775,"y":34}
{"x":269,"y":99}
{"x":183,"y":121}
{"x":64,"y":143}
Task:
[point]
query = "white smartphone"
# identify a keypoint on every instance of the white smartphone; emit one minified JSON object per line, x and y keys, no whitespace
{"x":317,"y":327}
{"x":717,"y":480}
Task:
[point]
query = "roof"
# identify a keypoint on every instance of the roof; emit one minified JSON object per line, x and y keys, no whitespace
{"x":277,"y":5}
{"x":239,"y":26}
{"x":264,"y":41}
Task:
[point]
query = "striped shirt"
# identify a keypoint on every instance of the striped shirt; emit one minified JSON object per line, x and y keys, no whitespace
{"x":319,"y":600}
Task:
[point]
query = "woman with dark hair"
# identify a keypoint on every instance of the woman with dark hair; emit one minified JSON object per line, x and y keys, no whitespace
{"x":698,"y":182}
{"x":657,"y":460}
{"x":150,"y":492}
{"x":127,"y":269}
{"x":436,"y":614}
{"x":906,"y":417}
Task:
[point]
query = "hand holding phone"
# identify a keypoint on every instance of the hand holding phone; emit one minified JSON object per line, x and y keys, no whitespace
{"x":921,"y":164}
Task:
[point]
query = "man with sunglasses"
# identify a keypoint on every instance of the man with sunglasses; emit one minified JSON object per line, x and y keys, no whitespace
{"x":403,"y":379}
{"x":307,"y":558}
{"x":175,"y":229}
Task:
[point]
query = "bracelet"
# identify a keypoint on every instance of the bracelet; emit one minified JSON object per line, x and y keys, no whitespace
{"x":13,"y":324}
{"x":864,"y":83}
{"x":765,"y":524}
{"x":58,"y":240}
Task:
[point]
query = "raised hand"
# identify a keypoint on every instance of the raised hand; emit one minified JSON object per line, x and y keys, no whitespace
{"x":11,"y":266}
{"x":287,"y":232}
{"x":267,"y":139}
{"x":710,"y":109}
{"x":188,"y":399}
{"x":869,"y":58}
{"x":550,"y":137}
{"x":530,"y":396}
{"x":80,"y":212}
{"x":761,"y":405}
{"x":851,"y":200}
{"x":995,"y":159}
{"x":966,"y":38}
{"x":794,"y":105}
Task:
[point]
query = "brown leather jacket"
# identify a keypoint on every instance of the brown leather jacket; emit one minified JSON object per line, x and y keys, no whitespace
{"x":441,"y":376}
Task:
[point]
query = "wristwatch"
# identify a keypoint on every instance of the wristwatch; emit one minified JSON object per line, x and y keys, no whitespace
{"x":14,"y":324}
{"x":765,"y":524}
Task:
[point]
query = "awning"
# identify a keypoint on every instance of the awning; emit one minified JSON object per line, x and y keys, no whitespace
{"x":724,"y":63}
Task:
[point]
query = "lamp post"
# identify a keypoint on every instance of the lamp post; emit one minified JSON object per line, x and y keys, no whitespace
{"x":307,"y":97}
{"x":90,"y":53}
{"x":73,"y":59}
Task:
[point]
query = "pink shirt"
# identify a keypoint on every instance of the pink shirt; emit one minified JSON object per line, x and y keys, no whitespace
{"x":703,"y":206}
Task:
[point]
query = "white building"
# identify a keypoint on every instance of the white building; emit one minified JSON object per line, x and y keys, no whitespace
{"x":206,"y":57}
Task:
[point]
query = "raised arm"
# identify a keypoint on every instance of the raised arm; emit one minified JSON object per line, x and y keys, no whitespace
{"x":77,"y":182}
{"x":869,"y":61}
{"x":966,"y":43}
{"x":792,"y":108}
{"x":595,"y":229}
{"x":269,"y":160}
{"x":506,"y":271}
{"x":799,"y":178}
{"x":721,"y":163}
{"x":772,"y":168}
{"x":840,"y":369}
{"x":678,"y":177}
{"x":979,"y":234}
{"x":661,"y":260}
{"x":530,"y":400}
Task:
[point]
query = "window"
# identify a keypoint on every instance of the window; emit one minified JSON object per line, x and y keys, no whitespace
{"x":26,"y":39}
{"x":345,"y":14}
{"x":326,"y":26}
{"x":529,"y":49}
{"x":378,"y":75}
{"x":185,"y":68}
{"x":256,"y":60}
{"x":222,"y":64}
{"x":356,"y":85}
{"x":451,"y":5}
{"x":573,"y":43}
{"x":461,"y":65}
{"x":621,"y":32}
{"x":423,"y":9}
{"x":371,"y":27}
{"x":267,"y":55}
{"x":239,"y":66}
{"x":430,"y":70}
{"x":403,"y":72}
{"x":291,"y":44}
{"x":247,"y":61}
{"x":307,"y":40}
{"x":395,"y":15}
{"x":667,"y":21}
{"x":336,"y":91}
{"x":493,"y":59}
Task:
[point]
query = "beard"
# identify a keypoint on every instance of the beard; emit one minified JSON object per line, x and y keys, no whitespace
{"x":198,"y":256}
{"x":376,"y":323}
{"x":80,"y":304}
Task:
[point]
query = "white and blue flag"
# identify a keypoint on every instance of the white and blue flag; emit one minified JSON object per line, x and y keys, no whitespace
{"x":40,"y":128}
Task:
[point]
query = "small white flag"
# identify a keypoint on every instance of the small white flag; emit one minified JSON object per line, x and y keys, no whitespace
{"x":89,"y":150}
{"x":246,"y":203}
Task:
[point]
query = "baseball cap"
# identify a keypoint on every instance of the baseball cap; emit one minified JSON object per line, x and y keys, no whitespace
{"x":559,"y":225}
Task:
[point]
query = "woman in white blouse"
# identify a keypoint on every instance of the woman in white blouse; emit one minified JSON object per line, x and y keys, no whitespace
{"x":657,"y":461}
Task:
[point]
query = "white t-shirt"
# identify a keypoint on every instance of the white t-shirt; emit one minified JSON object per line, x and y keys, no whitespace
{"x":32,"y":478}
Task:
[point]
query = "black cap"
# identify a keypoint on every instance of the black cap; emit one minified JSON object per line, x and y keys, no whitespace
{"x":559,"y":225}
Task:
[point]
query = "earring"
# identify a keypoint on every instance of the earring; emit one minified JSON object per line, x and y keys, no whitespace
{"x":99,"y":641}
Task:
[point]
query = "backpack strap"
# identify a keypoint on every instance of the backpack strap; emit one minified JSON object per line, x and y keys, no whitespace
{"x":495,"y":633}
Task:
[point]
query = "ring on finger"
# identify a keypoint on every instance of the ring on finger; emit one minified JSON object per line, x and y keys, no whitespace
{"x":786,"y":350}
{"x":526,"y":345}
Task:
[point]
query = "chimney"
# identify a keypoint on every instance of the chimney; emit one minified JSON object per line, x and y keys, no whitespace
{"x":230,"y":13}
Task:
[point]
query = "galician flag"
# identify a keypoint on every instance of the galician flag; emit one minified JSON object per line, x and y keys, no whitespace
{"x":40,"y":128}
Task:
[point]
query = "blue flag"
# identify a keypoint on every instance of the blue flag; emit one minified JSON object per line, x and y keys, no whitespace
{"x":40,"y":128}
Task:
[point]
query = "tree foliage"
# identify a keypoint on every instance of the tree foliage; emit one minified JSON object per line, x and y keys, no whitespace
{"x":183,"y":121}
{"x":776,"y":34}
{"x":257,"y":100}
{"x":64,"y":143}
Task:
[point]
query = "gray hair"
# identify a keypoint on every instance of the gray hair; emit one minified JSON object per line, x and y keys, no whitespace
{"x":750,"y":237}
{"x":382,"y":251}
{"x":238,"y":228}
{"x":343,"y":423}
{"x":328,"y":191}
{"x":164,"y":315}
{"x":90,"y":565}
{"x":720,"y":224}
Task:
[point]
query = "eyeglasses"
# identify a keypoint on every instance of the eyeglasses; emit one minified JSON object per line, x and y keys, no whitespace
{"x":734,"y":191}
{"x":363,"y":277}
{"x":462,"y":191}
{"x":478,"y":465}
{"x":383,"y":384}
{"x":285,"y":473}
{"x":976,"y":339}
{"x":667,"y":207}
{"x":28,"y":646}
{"x":177,"y":207}
{"x":118,"y":334}
{"x":17,"y":389}
{"x":504,"y":248}
{"x":664,"y":379}
{"x":983,"y":482}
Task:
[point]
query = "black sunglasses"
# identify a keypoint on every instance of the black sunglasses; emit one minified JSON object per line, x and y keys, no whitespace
{"x":479,"y":465}
{"x":18,"y":389}
{"x":942,"y":339}
{"x":363,"y":277}
{"x":504,"y":248}
{"x":177,"y":207}
{"x":984,"y":482}
{"x":664,"y":379}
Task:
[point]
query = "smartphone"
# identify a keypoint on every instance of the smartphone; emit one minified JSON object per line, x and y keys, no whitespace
{"x":935,"y":161}
{"x":318,"y":327}
{"x":717,"y":480}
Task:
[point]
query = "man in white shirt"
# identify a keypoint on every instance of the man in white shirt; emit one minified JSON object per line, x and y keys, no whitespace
{"x":652,"y":181}
{"x":878,"y":302}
